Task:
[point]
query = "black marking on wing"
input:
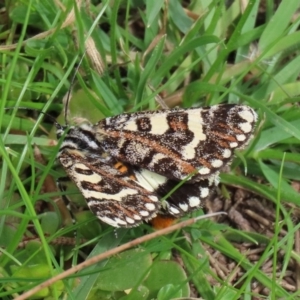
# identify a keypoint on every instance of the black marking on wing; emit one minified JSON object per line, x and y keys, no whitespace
{"x":194,"y":140}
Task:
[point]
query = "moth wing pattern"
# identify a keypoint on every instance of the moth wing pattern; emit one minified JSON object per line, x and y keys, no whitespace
{"x":178,"y":142}
{"x":124,"y":164}
{"x":111,"y":194}
{"x":184,"y":198}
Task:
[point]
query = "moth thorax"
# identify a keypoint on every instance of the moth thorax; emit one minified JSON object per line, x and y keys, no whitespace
{"x":100,"y":134}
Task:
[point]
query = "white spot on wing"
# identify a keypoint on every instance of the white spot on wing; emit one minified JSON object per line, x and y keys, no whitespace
{"x":149,"y":180}
{"x":153,"y":198}
{"x":248,"y":114}
{"x":111,"y":222}
{"x":81,"y":166}
{"x":144,"y":213}
{"x":195,"y":125}
{"x":240,"y":137}
{"x":129,"y":220}
{"x":184,"y":206}
{"x":119,"y":221}
{"x":217,"y":163}
{"x":150,"y":206}
{"x":188,"y":152}
{"x":194,"y":201}
{"x":227,"y":153}
{"x":233,"y":145}
{"x":204,"y":171}
{"x":137,"y":217}
{"x":159,"y":124}
{"x":117,"y":197}
{"x":94,"y":178}
{"x":131,"y":126}
{"x":173,"y":210}
{"x":246,"y":127}
{"x":204,"y":192}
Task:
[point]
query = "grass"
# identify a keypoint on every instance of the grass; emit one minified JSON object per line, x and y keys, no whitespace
{"x":197,"y":54}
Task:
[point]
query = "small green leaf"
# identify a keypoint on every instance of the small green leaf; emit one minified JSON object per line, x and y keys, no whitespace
{"x":50,"y":222}
{"x":169,"y":291}
{"x":164,"y":273}
{"x":125,"y":271}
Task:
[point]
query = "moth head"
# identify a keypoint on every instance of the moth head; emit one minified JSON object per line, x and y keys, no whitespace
{"x":80,"y":138}
{"x":60,"y":129}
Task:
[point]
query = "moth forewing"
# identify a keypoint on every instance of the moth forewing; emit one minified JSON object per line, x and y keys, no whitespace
{"x":177,"y":142}
{"x":111,"y":194}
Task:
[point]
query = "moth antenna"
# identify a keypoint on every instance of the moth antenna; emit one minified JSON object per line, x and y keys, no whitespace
{"x":70,"y":89}
{"x":57,"y":125}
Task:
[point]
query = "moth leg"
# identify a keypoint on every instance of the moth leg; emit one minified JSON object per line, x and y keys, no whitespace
{"x":69,"y":204}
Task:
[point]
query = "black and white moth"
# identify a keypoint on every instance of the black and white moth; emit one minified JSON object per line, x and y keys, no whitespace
{"x":124,"y":164}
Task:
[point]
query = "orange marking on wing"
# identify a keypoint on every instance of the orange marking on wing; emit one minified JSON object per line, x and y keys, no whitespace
{"x":132,"y":177}
{"x":121,"y":167}
{"x":228,"y":128}
{"x":204,"y":162}
{"x":187,"y":168}
{"x":124,"y":169}
{"x":225,"y":136}
{"x":223,"y":144}
{"x":178,"y":125}
{"x":118,"y":164}
{"x":77,"y":157}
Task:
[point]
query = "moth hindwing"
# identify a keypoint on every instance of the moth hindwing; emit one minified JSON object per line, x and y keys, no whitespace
{"x":157,"y":150}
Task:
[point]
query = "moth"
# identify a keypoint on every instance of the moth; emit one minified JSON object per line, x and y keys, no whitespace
{"x":125,"y":164}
